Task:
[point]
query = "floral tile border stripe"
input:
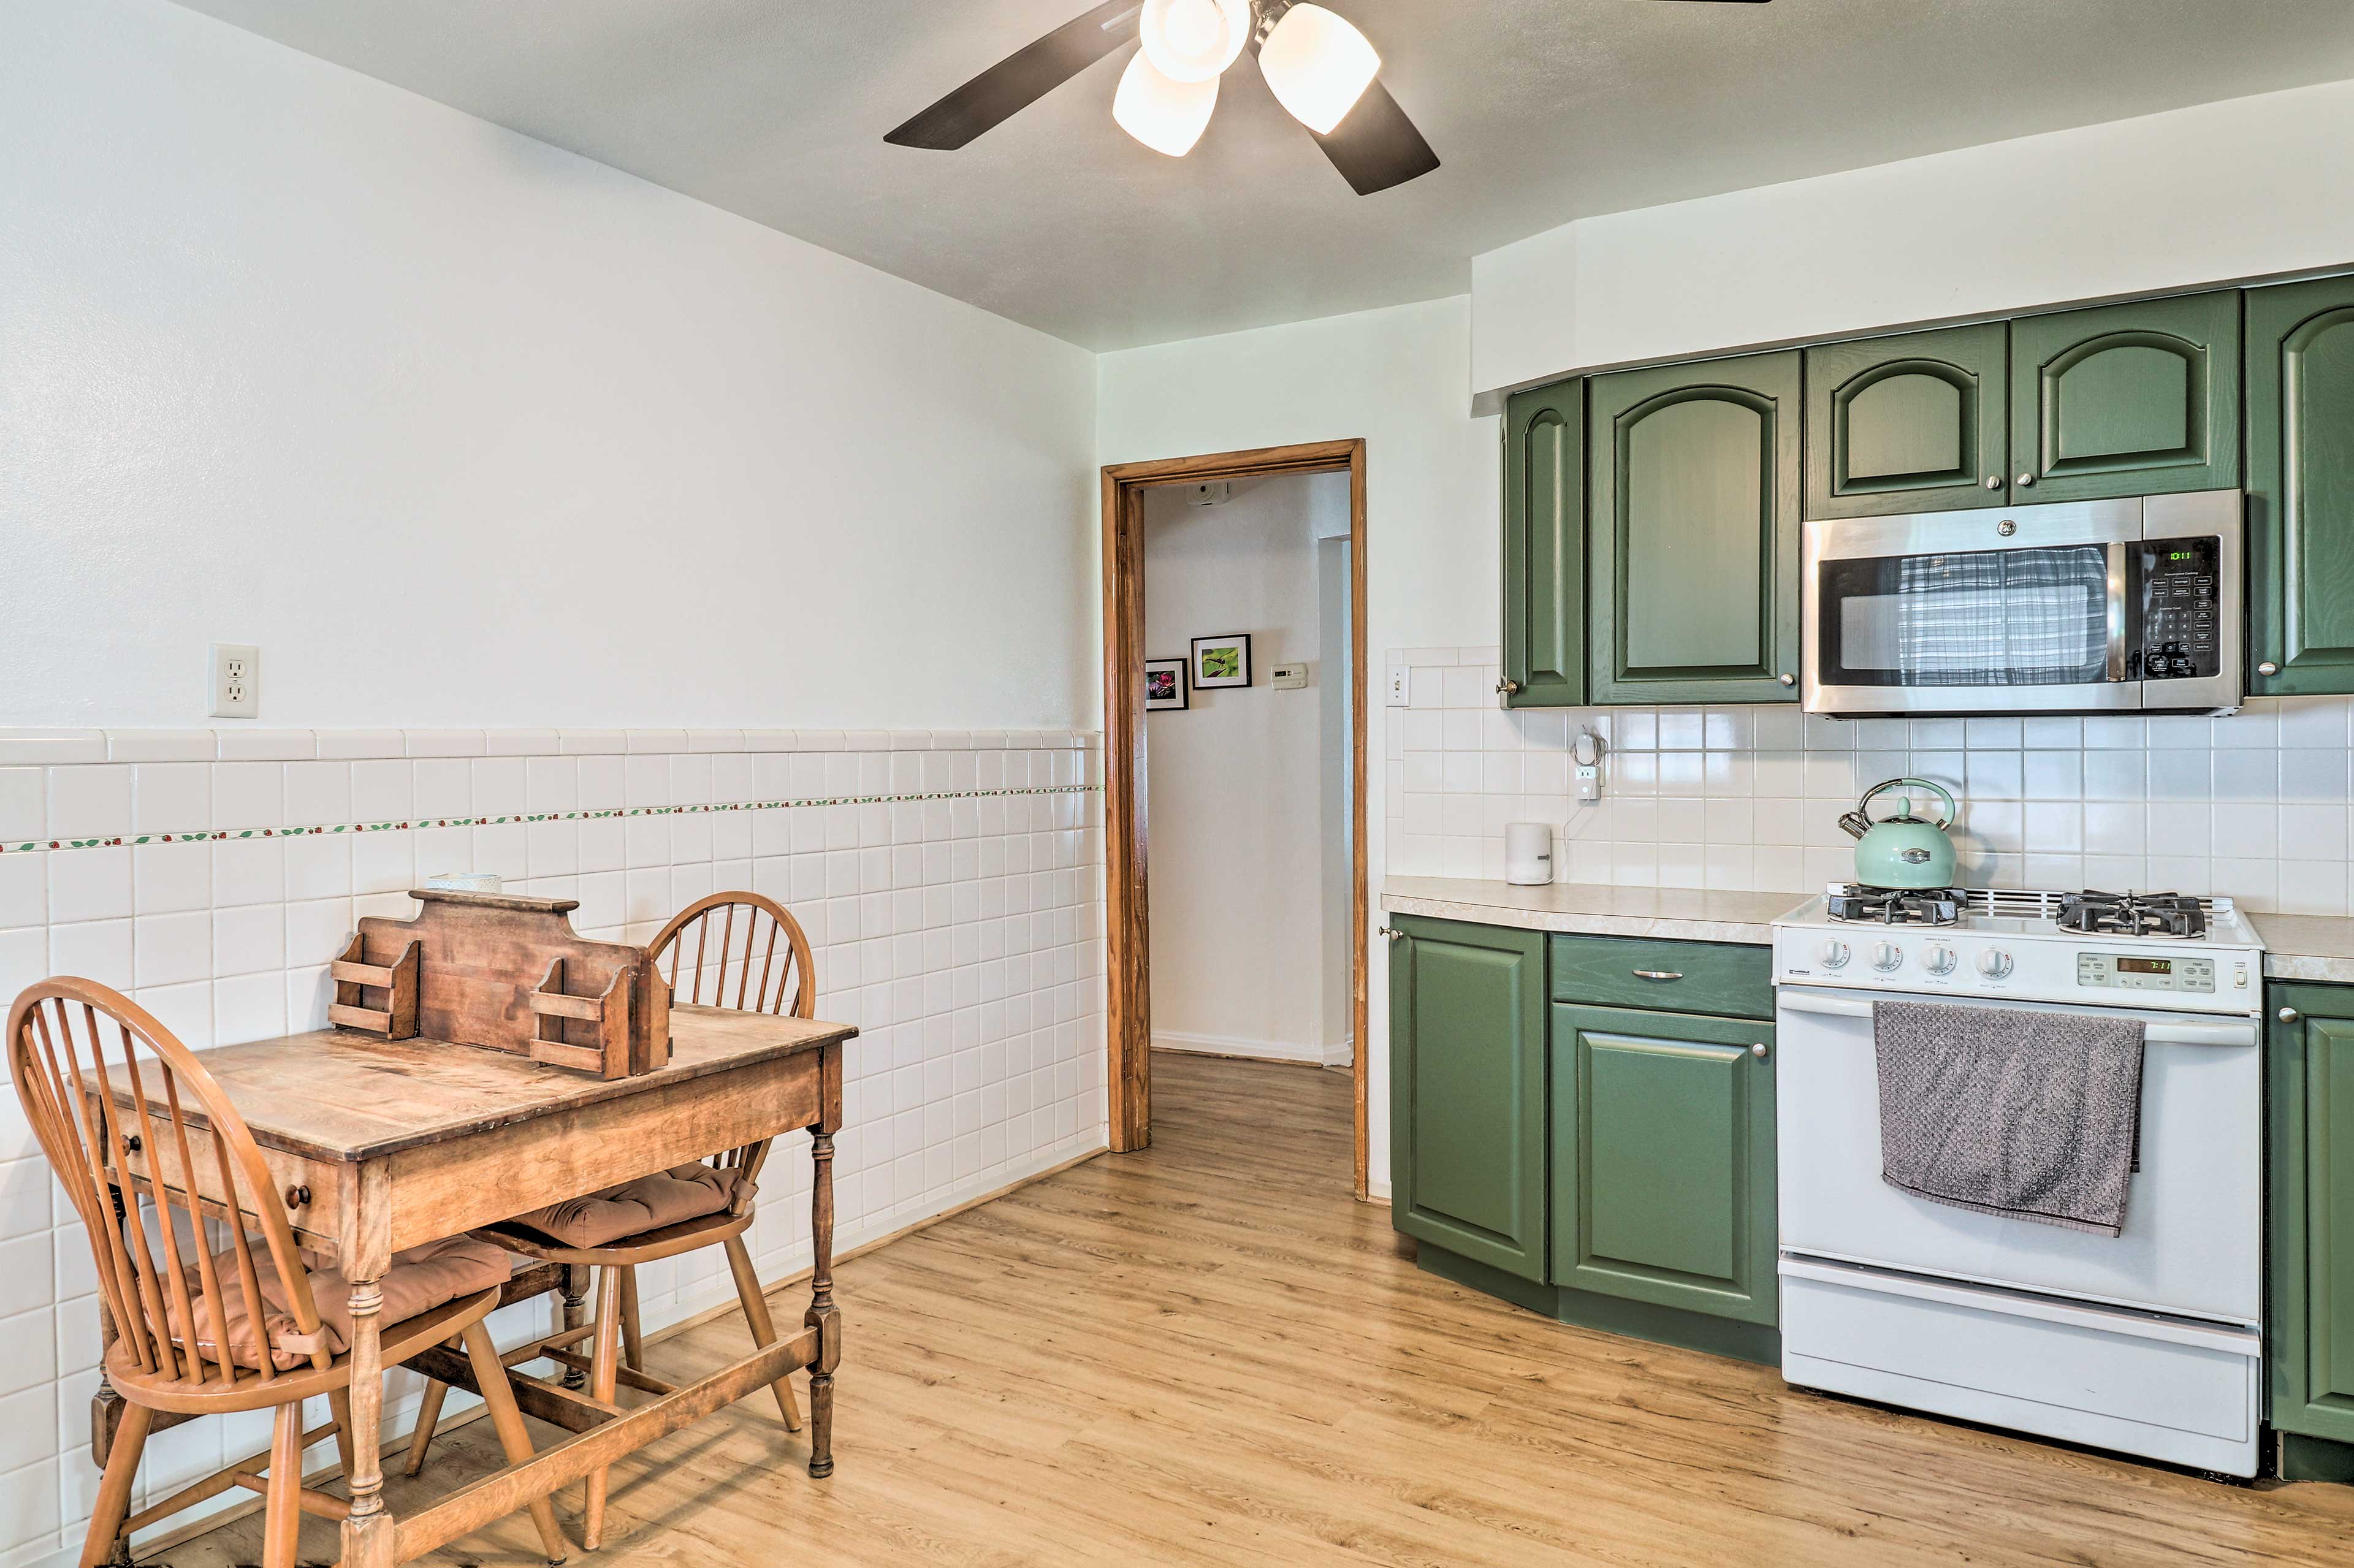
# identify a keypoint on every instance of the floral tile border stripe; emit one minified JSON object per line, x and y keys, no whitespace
{"x":214,"y":835}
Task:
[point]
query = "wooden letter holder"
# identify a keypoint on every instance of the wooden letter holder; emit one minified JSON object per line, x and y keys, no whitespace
{"x":505,"y":973}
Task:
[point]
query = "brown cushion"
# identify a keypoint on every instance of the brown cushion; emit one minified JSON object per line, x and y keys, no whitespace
{"x":647,"y":1203}
{"x":420,"y":1278}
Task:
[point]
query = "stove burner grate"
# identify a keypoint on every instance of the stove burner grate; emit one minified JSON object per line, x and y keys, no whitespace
{"x":2140,"y":914}
{"x":1894,"y":905}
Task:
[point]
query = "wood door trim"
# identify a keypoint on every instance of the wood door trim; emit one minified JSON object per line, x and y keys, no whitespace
{"x":1127,"y":1011}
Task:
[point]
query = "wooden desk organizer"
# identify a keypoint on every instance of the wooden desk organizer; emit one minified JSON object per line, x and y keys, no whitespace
{"x":507,"y":974}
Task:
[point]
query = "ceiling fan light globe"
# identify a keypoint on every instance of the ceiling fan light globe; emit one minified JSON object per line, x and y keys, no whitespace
{"x":1194,"y":40}
{"x":1166,"y":116}
{"x":1318,"y":66}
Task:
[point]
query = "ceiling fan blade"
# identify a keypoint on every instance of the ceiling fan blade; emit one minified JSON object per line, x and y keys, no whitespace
{"x":1375,"y":146}
{"x":1020,"y":79}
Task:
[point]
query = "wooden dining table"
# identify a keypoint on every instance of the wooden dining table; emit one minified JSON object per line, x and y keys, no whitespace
{"x":377,"y":1145}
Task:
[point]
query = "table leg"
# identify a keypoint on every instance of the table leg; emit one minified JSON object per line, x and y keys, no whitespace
{"x":369,"y":1532}
{"x":821,"y":1315}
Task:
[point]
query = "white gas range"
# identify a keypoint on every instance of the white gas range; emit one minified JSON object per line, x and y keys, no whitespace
{"x":2149,"y":1342}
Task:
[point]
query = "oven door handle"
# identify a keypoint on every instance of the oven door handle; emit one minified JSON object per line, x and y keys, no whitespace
{"x":2167,"y":1034}
{"x":2116,"y":609}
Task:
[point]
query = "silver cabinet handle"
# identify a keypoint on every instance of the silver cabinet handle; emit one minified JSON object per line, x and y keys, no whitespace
{"x":2288,"y":1015}
{"x":2026,"y":478}
{"x":1993,"y":482}
{"x":2267,"y":668}
{"x":1787,"y":679}
{"x":1392,"y":934}
{"x":1759,"y":1051}
{"x":1506,"y":686}
{"x":1659,"y":974}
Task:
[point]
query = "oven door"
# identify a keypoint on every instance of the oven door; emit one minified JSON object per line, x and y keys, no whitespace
{"x":2193,"y":1242}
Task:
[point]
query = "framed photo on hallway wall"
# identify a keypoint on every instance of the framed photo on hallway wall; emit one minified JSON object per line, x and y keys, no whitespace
{"x":1164,"y":684}
{"x":1222,"y":661}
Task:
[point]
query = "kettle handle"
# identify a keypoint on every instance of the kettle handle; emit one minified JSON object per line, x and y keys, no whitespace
{"x":1939,"y":789}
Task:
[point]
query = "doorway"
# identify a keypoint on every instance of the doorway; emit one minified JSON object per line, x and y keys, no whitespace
{"x":1125,"y":787}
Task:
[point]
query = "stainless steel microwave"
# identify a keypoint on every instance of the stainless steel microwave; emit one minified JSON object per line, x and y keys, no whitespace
{"x":2086,"y":607}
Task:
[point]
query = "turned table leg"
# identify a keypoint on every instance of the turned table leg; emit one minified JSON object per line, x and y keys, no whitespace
{"x":576,"y":1298}
{"x":822,"y":1315}
{"x":369,"y":1532}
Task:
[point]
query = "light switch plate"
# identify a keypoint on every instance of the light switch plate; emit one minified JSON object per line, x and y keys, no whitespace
{"x":1401,"y":685}
{"x":236,"y":685}
{"x":1288,"y":677}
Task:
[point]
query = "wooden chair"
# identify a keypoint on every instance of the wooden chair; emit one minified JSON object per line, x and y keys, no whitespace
{"x":157,"y":1160}
{"x":752,"y":931}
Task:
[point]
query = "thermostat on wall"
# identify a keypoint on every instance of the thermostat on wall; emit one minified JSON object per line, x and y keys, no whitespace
{"x":1288,"y":677}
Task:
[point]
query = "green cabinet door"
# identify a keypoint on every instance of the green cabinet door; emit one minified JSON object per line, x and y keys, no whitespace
{"x":1693,"y":483}
{"x":2301,"y":487}
{"x":1912,"y":423}
{"x":2136,"y":399}
{"x":2311,"y":1060}
{"x":1544,"y":547}
{"x":1663,"y":1160}
{"x":1467,"y":1090}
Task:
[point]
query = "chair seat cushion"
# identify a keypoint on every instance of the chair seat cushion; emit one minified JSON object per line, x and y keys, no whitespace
{"x":420,"y":1278}
{"x":647,"y":1203}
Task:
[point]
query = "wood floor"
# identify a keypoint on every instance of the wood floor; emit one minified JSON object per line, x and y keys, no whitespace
{"x":1207,"y":1353}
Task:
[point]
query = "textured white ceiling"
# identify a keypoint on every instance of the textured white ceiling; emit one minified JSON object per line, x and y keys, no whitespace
{"x":1544,"y":111}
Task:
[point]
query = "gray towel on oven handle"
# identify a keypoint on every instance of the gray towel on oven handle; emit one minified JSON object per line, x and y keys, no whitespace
{"x":2030,"y":1115}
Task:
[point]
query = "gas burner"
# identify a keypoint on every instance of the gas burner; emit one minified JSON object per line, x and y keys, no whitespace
{"x":2141,"y":914}
{"x":1894,"y":905}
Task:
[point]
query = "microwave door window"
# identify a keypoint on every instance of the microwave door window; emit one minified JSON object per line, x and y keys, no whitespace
{"x":1990,"y":617}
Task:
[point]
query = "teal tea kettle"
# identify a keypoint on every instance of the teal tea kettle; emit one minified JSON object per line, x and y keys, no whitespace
{"x":1902,"y":851}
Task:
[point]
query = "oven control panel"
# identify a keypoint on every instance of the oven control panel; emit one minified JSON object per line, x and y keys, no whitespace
{"x":2139,"y":971}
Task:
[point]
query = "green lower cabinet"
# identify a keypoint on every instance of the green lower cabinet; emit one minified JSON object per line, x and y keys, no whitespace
{"x":2310,"y":1057}
{"x":2133,"y":400}
{"x":1467,"y":1091}
{"x":1663,"y":1160}
{"x":2301,"y":488}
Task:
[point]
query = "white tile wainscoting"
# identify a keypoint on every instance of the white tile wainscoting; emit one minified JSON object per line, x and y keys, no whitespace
{"x":951,"y":882}
{"x":2254,"y":805}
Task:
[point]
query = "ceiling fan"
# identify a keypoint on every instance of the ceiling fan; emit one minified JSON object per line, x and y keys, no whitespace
{"x":1321,"y":68}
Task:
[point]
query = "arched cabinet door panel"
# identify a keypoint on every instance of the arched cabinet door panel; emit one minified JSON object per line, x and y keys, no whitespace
{"x":1910,"y":423}
{"x":1544,"y":548}
{"x":2301,"y":487}
{"x":2134,"y":399}
{"x":1692,"y":532}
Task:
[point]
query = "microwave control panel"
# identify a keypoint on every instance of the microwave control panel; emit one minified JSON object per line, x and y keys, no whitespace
{"x":2178,"y":610}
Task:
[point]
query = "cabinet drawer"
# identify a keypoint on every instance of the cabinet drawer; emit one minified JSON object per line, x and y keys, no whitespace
{"x":1726,"y":979}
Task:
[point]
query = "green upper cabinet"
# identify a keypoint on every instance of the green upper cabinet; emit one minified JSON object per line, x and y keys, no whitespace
{"x":1544,"y":547}
{"x":1663,"y":1160}
{"x":2310,"y":1057}
{"x":1467,"y":1090}
{"x":2301,"y":487}
{"x":1914,"y":423}
{"x":2135,"y":399}
{"x":1692,"y":486}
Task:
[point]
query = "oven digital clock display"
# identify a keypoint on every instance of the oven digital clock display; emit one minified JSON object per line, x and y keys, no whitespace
{"x":2121,"y":971}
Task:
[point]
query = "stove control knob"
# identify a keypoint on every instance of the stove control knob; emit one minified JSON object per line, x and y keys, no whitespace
{"x":1940,"y":960}
{"x":1834,"y":955}
{"x":1887,"y":956}
{"x":1994,"y":963}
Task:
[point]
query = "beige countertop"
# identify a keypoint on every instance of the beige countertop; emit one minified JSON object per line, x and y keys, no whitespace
{"x":1687,"y":914}
{"x":2306,"y":946}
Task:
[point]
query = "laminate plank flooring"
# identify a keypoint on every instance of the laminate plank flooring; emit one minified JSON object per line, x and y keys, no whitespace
{"x":1206,"y":1353}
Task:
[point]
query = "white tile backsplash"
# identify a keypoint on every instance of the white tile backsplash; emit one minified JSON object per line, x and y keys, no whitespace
{"x":964,"y":937}
{"x":2254,"y":805}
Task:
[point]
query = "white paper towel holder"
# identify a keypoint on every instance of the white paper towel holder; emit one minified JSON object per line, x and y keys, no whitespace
{"x":1528,"y":854}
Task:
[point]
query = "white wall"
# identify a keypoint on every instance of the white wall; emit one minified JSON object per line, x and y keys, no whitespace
{"x":555,"y":502}
{"x":1239,"y":782}
{"x":2221,"y":191}
{"x":1396,"y":378}
{"x":288,"y":354}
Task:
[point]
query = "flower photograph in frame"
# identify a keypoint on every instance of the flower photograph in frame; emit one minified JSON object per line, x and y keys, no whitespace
{"x":1222,"y":661}
{"x":1164,"y":684}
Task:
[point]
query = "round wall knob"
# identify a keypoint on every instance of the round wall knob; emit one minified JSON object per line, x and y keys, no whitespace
{"x":2026,"y":478}
{"x":1940,"y":960}
{"x":1994,"y":963}
{"x":1887,"y":956}
{"x":1993,"y":482}
{"x":1834,"y":955}
{"x":1787,"y":679}
{"x":2267,"y":668}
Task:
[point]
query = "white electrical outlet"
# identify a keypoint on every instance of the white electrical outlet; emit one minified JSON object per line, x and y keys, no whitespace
{"x":1401,"y":688}
{"x":236,"y":680}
